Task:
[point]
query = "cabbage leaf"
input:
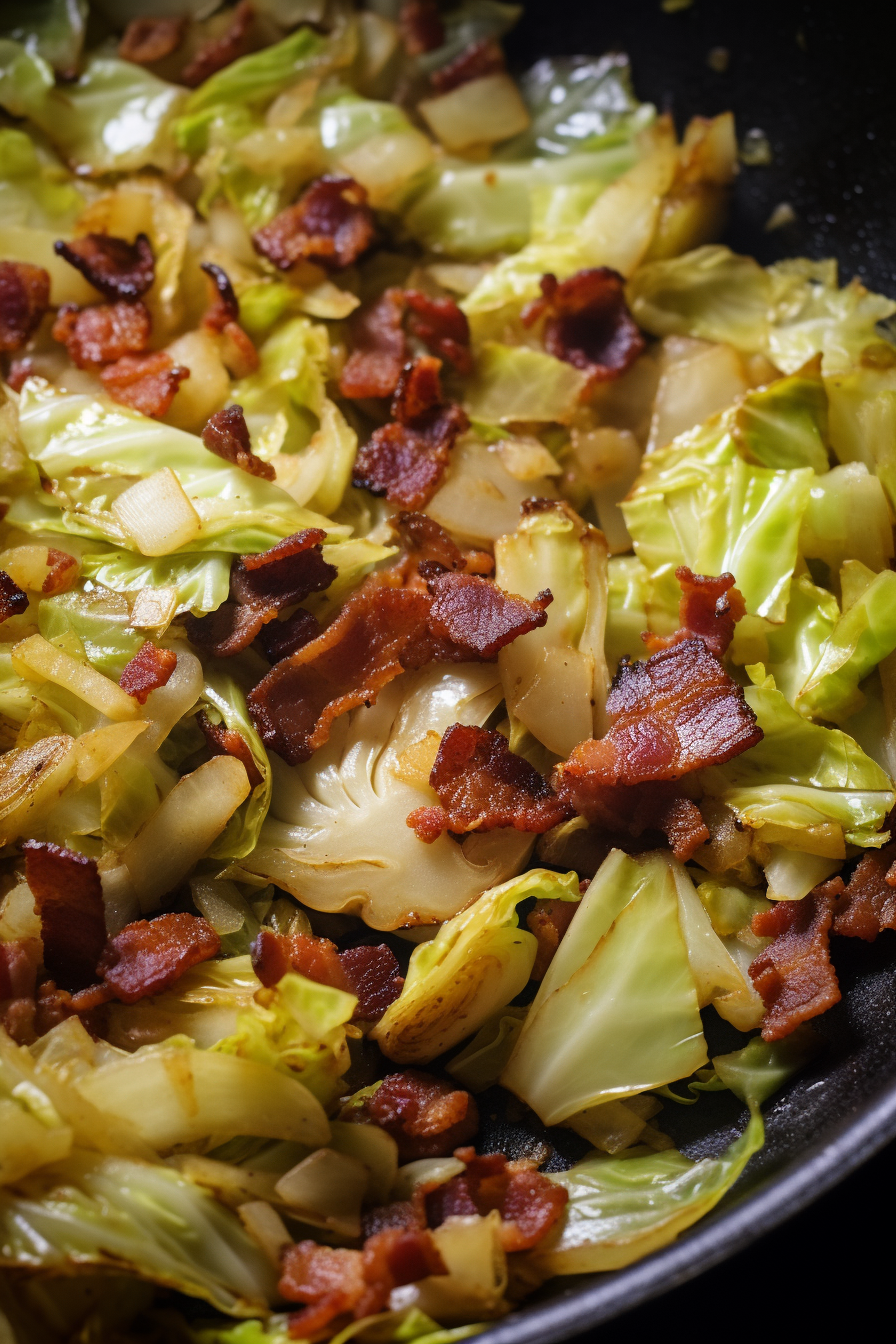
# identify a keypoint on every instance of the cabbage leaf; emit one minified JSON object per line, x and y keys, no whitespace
{"x":516,"y":383}
{"x":864,"y":634}
{"x":202,"y":579}
{"x":226,"y":699}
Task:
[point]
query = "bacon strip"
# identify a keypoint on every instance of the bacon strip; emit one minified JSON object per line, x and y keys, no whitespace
{"x":794,"y":975}
{"x":227,"y":435}
{"x":24,"y":298}
{"x":19,"y":961}
{"x":867,"y":904}
{"x":13,"y":602}
{"x":479,"y":617}
{"x":148,"y":40}
{"x":117,"y":268}
{"x":146,"y":383}
{"x":370,"y":973}
{"x":441,"y":326}
{"x":421,"y":26}
{"x":425,"y":1116}
{"x":406,"y":459}
{"x":379,"y":349}
{"x":281,"y":638}
{"x":150,"y":668}
{"x":224,"y":741}
{"x":331,"y":223}
{"x":219,"y":52}
{"x":63,"y":569}
{"x":482,"y":785}
{"x":68,"y":897}
{"x":479,"y":59}
{"x":224,"y":307}
{"x":548,"y":921}
{"x":709,"y":610}
{"x":105,"y":332}
{"x":149,"y":955}
{"x":587,"y":323}
{"x":529,"y":1204}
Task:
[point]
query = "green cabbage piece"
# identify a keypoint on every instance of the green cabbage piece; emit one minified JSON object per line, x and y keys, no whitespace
{"x":202,"y":579}
{"x":468,"y":22}
{"x":100,"y":624}
{"x":482,"y":1060}
{"x":52,"y":29}
{"x":143,"y":1218}
{"x":862,"y":406}
{"x":255,"y":80}
{"x":36,"y":191}
{"x":790,"y":312}
{"x":786,"y":424}
{"x":802,"y":775}
{"x":477,"y":963}
{"x":300,"y":1031}
{"x":514,"y":382}
{"x":628,"y":585}
{"x":847,"y":518}
{"x":617,"y":1011}
{"x":790,"y":650}
{"x":863,"y":636}
{"x":576,"y":103}
{"x":227,"y":702}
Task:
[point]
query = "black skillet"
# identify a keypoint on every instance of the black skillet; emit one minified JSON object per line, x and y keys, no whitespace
{"x":814,"y":77}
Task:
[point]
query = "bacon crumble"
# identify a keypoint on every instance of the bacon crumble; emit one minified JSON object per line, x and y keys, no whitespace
{"x":13,"y":601}
{"x":118,"y":269}
{"x":421,"y":26}
{"x":371,"y":973}
{"x":24,"y":298}
{"x":379,"y":348}
{"x":425,"y":1116}
{"x":794,"y":975}
{"x":529,"y":1203}
{"x":146,"y":383}
{"x":479,"y":59}
{"x":148,"y":956}
{"x":483,"y":785}
{"x":224,"y":741}
{"x":478,"y":617}
{"x":150,"y":668}
{"x":331,"y":224}
{"x":709,"y":610}
{"x":19,"y":960}
{"x":587,"y":323}
{"x":102,"y":333}
{"x":147,"y":40}
{"x":62,"y":570}
{"x":19,"y":371}
{"x":548,"y":921}
{"x":867,"y":904}
{"x":224,"y":307}
{"x":68,"y":897}
{"x":442,"y":327}
{"x":281,"y":638}
{"x":219,"y":52}
{"x":227,"y":435}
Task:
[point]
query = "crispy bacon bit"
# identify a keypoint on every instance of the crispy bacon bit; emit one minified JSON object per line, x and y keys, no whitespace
{"x":709,"y":610}
{"x":95,"y":336}
{"x":529,"y":1203}
{"x":148,"y":40}
{"x":794,"y":975}
{"x":63,"y":570}
{"x":224,"y":307}
{"x":24,"y":298}
{"x":405,"y":460}
{"x":227,"y":434}
{"x":588,"y":323}
{"x":482,"y":785}
{"x":68,"y":897}
{"x":19,"y":961}
{"x":370,"y":973}
{"x":421,"y":26}
{"x":150,"y":668}
{"x":331,"y":223}
{"x":224,"y":741}
{"x":442,"y":327}
{"x":479,"y":617}
{"x":149,"y":955}
{"x":867,"y":904}
{"x":146,"y":383}
{"x":425,"y":1116}
{"x":219,"y":52}
{"x":117,"y":268}
{"x":426,"y":540}
{"x":13,"y":602}
{"x":549,"y":921}
{"x":479,"y":59}
{"x":19,"y":371}
{"x":281,"y":638}
{"x":399,"y":1255}
{"x":227,"y":630}
{"x":379,"y":349}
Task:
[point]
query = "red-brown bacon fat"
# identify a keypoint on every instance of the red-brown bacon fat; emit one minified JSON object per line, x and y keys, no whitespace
{"x":709,"y":610}
{"x":425,"y":1116}
{"x":24,"y":298}
{"x":102,"y":333}
{"x":587,"y":323}
{"x":370,"y":973}
{"x":68,"y":897}
{"x":147,"y":383}
{"x":331,"y":223}
{"x":117,"y":268}
{"x":794,"y":975}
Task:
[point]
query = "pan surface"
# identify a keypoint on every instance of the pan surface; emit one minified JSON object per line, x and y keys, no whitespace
{"x":817,"y":89}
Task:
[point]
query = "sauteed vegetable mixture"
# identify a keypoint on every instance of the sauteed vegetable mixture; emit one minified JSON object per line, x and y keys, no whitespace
{"x":448,"y":627}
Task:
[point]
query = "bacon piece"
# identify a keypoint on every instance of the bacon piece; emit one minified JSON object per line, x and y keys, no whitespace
{"x":709,"y":610}
{"x":117,"y":268}
{"x":95,"y":336}
{"x":426,"y":540}
{"x":395,"y":1256}
{"x":548,"y":920}
{"x":379,"y":349}
{"x":150,"y":668}
{"x":224,"y":741}
{"x":19,"y":961}
{"x":587,"y":323}
{"x":219,"y":52}
{"x":401,"y":1213}
{"x":24,"y":298}
{"x":148,"y":40}
{"x":529,"y":1203}
{"x":442,"y":327}
{"x":281,"y":638}
{"x":224,"y":307}
{"x":146,"y":383}
{"x":405,"y":460}
{"x":331,"y":223}
{"x":794,"y":975}
{"x":13,"y":602}
{"x":421,"y":26}
{"x":482,"y":785}
{"x":479,"y":59}
{"x":227,"y":435}
{"x":229,"y":629}
{"x":479,"y":617}
{"x":68,"y":897}
{"x":370,"y":973}
{"x":867,"y":904}
{"x":425,"y":1116}
{"x":62,"y":572}
{"x":149,"y":955}
{"x":19,"y":371}
{"x":329,"y":1279}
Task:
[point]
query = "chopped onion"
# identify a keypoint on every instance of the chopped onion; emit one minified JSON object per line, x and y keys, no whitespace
{"x":166,"y":706}
{"x":157,"y":514}
{"x":609,"y":460}
{"x":154,"y":609}
{"x":527,"y":458}
{"x":36,"y":659}
{"x":28,"y":566}
{"x":384,"y":163}
{"x":483,"y":111}
{"x":204,"y":392}
{"x":791,"y":875}
{"x":18,"y":917}
{"x":480,"y":500}
{"x":266,"y":1227}
{"x":296,"y":148}
{"x":697,"y":380}
{"x":618,"y":228}
{"x":611,"y":1126}
{"x":31,"y":781}
{"x":375,"y":1149}
{"x":326,"y":1190}
{"x":97,"y":749}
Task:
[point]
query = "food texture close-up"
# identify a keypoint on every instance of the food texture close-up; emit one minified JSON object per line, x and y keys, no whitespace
{"x":447,"y":671}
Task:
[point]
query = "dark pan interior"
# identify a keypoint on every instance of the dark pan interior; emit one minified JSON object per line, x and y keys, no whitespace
{"x":812,"y":77}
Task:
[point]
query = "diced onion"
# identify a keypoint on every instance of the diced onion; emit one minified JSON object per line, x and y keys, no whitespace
{"x":204,"y":392}
{"x":266,"y":1228}
{"x":697,"y":380}
{"x":791,"y":875}
{"x":483,"y":111}
{"x":375,"y":1149}
{"x":98,"y":749}
{"x":36,"y":659}
{"x":154,"y":608}
{"x":29,"y":566}
{"x":384,"y":163}
{"x":157,"y":514}
{"x":326,"y":1189}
